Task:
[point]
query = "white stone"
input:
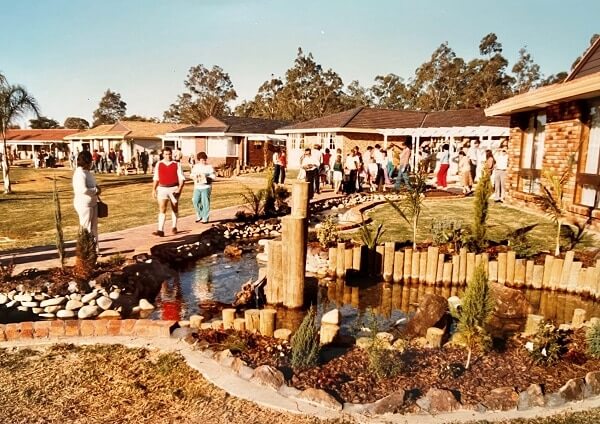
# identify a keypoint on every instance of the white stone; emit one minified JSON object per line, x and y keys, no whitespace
{"x":75,"y":296}
{"x":64,"y":313}
{"x":104,"y":302}
{"x":30,"y":304}
{"x":262,"y":257}
{"x":88,"y":311}
{"x":39,"y":297}
{"x":332,"y":317}
{"x":114,"y":295}
{"x":37,"y":310}
{"x":47,"y":315}
{"x":11,"y":303}
{"x":135,"y":309}
{"x":52,"y":309}
{"x":196,"y":321}
{"x":145,"y":305}
{"x":453,"y":302}
{"x":89,"y":297}
{"x":3,"y":298}
{"x":388,"y":337}
{"x":11,"y":294}
{"x":22,"y":308}
{"x":52,"y":302}
{"x":110,"y":314}
{"x":73,"y":287}
{"x":23,"y":297}
{"x":73,"y":304}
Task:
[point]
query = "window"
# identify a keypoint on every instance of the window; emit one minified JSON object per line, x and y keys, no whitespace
{"x":532,"y":153}
{"x":301,"y":141}
{"x":220,"y":147}
{"x":588,"y":177}
{"x":293,"y":140}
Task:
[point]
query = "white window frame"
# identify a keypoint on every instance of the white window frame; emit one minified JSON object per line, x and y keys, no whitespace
{"x":532,"y":153}
{"x":589,"y":194}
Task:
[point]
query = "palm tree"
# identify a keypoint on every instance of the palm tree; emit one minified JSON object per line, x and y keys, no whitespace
{"x":15,"y":101}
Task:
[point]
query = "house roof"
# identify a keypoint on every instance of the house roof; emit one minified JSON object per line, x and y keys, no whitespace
{"x":581,"y":88}
{"x":39,"y":134}
{"x":235,"y":125}
{"x":463,"y":118}
{"x":588,"y":64}
{"x":127,"y":129}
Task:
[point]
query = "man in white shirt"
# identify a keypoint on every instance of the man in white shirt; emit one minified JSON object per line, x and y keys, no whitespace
{"x":501,"y":158}
{"x":474,"y":155}
{"x":317,"y":157}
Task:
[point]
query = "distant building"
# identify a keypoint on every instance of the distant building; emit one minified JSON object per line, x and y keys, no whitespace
{"x":23,"y":143}
{"x":549,"y":124}
{"x":129,"y":136}
{"x":229,"y":140}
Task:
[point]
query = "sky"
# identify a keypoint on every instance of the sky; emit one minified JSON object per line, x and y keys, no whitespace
{"x":67,"y":53}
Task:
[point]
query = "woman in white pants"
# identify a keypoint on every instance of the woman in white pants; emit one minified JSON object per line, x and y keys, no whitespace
{"x":85,"y":199}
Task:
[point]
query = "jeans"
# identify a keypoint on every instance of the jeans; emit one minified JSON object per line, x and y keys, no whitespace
{"x":201,"y":202}
{"x":401,"y":178}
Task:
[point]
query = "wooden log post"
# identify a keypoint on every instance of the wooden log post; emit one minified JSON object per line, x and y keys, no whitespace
{"x":519,"y":278}
{"x":529,"y":273}
{"x":340,"y":267}
{"x":398,"y":272}
{"x":252,"y":317}
{"x":447,"y":274}
{"x":485,"y":260}
{"x":408,"y":254}
{"x":239,"y":324}
{"x":511,"y":259}
{"x":548,"y":265}
{"x":470,"y":266}
{"x":556,"y":274}
{"x":455,"y":269}
{"x":267,"y":322}
{"x":422,"y":274}
{"x":434,"y":337}
{"x":357,"y":258}
{"x":414,"y":269}
{"x":462,"y":270}
{"x":388,"y":260}
{"x":572,"y":286}
{"x":502,"y":267}
{"x":432,"y":258}
{"x":493,"y":271}
{"x":228,"y":318}
{"x":566,"y":270}
{"x":578,"y":318}
{"x":274,"y":289}
{"x":538,"y":276}
{"x":439,"y":274}
{"x":332,"y":261}
{"x":478,"y":260}
{"x":294,"y":289}
{"x":300,"y":200}
{"x":349,"y":258}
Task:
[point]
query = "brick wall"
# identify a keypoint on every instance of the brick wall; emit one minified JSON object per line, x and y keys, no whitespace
{"x":563,"y":136}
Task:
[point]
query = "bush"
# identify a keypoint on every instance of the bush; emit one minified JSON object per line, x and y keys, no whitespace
{"x":368,"y":236}
{"x":85,"y":261}
{"x":476,"y":310}
{"x":548,"y":344}
{"x":305,"y":343}
{"x":7,"y":270}
{"x":327,"y":233}
{"x":447,"y":231}
{"x":519,"y":242}
{"x":383,"y":362}
{"x":593,"y":340}
{"x":254,"y":201}
{"x":480,"y":214}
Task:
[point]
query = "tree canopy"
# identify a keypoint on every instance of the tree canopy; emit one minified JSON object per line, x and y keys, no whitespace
{"x":110,"y":109}
{"x":43,"y":123}
{"x":76,"y":123}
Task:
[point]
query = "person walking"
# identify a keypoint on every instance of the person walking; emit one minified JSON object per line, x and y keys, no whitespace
{"x":338,"y":174}
{"x":310,"y":165}
{"x":403,"y":167}
{"x":464,"y":170}
{"x":500,"y":175}
{"x":144,"y":160}
{"x":203,"y":175}
{"x":283,"y":162}
{"x":85,"y":195}
{"x":474,"y":156}
{"x":166,"y":189}
{"x":276,"y":166}
{"x":444,"y":165}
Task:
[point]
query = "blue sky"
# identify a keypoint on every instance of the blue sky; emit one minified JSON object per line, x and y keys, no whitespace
{"x":67,"y":52}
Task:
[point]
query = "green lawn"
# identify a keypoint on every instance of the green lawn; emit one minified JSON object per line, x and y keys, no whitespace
{"x":501,"y":220}
{"x":27,"y":215}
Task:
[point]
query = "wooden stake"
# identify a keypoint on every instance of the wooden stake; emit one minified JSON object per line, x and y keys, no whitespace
{"x":267,"y":322}
{"x":398,"y":273}
{"x":388,"y":260}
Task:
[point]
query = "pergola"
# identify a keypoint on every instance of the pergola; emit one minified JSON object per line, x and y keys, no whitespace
{"x":451,"y":135}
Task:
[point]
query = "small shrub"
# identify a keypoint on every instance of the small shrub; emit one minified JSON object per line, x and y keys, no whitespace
{"x":305,"y":343}
{"x":327,"y":233}
{"x":548,"y":344}
{"x":116,"y":260}
{"x":476,"y":310}
{"x":369,"y":236}
{"x":281,"y":196}
{"x":7,"y":270}
{"x":447,"y":231}
{"x":234,"y":343}
{"x":60,"y":240}
{"x":593,"y":340}
{"x":254,"y":201}
{"x":483,"y":191}
{"x":86,"y":255}
{"x":383,"y":362}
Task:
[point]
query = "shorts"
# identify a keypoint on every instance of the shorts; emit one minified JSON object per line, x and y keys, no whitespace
{"x":164,"y":193}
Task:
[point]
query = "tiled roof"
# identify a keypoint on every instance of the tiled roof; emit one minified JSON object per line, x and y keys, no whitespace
{"x":335,"y":120}
{"x":463,"y":118}
{"x":235,"y":124}
{"x":129,"y":129}
{"x":39,"y":135}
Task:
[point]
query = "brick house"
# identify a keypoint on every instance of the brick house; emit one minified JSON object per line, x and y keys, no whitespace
{"x":229,"y":140}
{"x":364,"y":126}
{"x":23,"y":143}
{"x":549,"y":124}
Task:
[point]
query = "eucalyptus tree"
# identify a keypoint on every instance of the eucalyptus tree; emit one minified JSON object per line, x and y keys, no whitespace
{"x":110,"y":109}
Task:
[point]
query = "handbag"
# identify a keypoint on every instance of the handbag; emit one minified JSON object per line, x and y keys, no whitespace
{"x":102,"y":209}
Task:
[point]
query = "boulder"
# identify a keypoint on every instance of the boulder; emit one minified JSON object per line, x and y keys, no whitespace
{"x":320,"y":397}
{"x":430,"y":313}
{"x":510,"y":311}
{"x":328,"y":333}
{"x":143,"y":279}
{"x":501,"y":399}
{"x":592,"y":383}
{"x":391,"y":404}
{"x":266,"y":375}
{"x":438,"y":400}
{"x":332,"y":317}
{"x":531,"y":397}
{"x":572,"y":390}
{"x":145,"y":305}
{"x":87,"y":298}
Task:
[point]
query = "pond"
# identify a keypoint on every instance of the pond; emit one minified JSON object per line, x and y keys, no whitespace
{"x":216,"y":279}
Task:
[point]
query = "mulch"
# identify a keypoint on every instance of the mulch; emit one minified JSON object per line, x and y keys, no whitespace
{"x":345,"y":372}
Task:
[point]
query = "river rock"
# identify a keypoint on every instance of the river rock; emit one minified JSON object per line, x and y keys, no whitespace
{"x":52,"y":302}
{"x":3,"y":298}
{"x":501,"y":399}
{"x":115,"y":294}
{"x":109,"y":314}
{"x":37,"y":310}
{"x":531,"y":397}
{"x":104,"y":302}
{"x":430,"y":313}
{"x":11,"y":303}
{"x":23,"y":297}
{"x":73,"y":305}
{"x":510,"y":310}
{"x":75,"y":296}
{"x":22,"y":308}
{"x":30,"y":304}
{"x":47,"y":315}
{"x":268,"y":376}
{"x":391,"y":404}
{"x":87,"y":298}
{"x":65,"y":313}
{"x":438,"y":400}
{"x":320,"y":397}
{"x":592,"y":383}
{"x":145,"y":305}
{"x":52,"y":309}
{"x":332,"y":317}
{"x":572,"y":390}
{"x":88,"y":311}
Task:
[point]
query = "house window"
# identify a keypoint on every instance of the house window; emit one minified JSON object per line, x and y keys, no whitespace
{"x":532,"y":153}
{"x":327,"y":140}
{"x":301,"y":141}
{"x":588,"y":177}
{"x":293,"y":140}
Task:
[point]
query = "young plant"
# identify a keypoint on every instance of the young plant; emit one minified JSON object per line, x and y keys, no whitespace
{"x":518,"y":241}
{"x":383,"y":361}
{"x":7,"y":270}
{"x":305,"y":343}
{"x":552,"y":197}
{"x":254,"y":201}
{"x":483,"y":191}
{"x":548,"y":344}
{"x":593,"y":341}
{"x":60,"y":240}
{"x":269,"y":203}
{"x":447,"y":231}
{"x":368,"y":236}
{"x":411,"y":205}
{"x":327,"y":233}
{"x":476,"y":310}
{"x":86,"y":255}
